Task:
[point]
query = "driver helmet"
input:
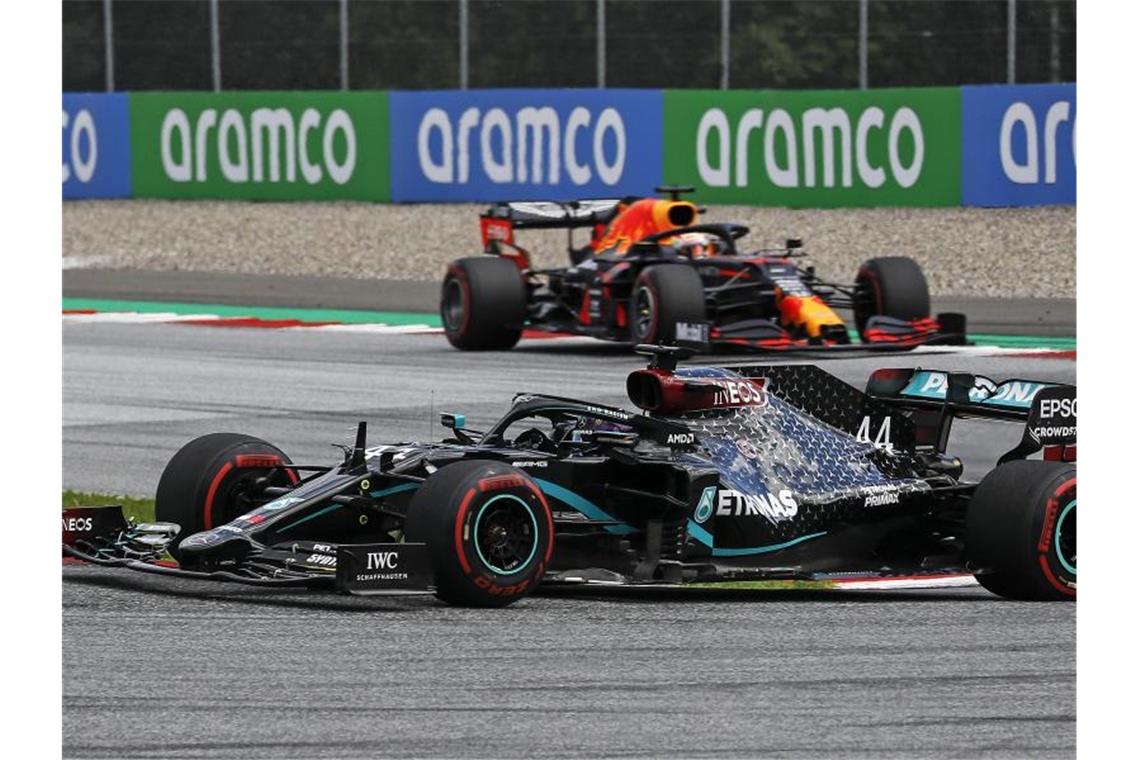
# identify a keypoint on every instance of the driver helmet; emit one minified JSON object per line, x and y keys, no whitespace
{"x":698,"y":245}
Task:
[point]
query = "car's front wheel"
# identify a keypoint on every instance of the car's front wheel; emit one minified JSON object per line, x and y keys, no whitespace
{"x":664,"y":295}
{"x":489,"y":532}
{"x":891,"y":286}
{"x":217,"y":478}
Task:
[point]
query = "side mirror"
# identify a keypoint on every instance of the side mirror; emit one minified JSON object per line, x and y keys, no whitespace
{"x":453,"y":421}
{"x":793,"y":243}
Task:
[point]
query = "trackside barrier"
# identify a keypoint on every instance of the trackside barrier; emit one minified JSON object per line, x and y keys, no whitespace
{"x":260,"y":145}
{"x":976,"y":145}
{"x":816,"y":149}
{"x":486,"y":145}
{"x":96,"y":146}
{"x":1019,"y":145}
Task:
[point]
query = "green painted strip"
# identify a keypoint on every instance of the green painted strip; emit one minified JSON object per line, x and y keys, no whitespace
{"x":346,"y":316}
{"x":1024,"y":341}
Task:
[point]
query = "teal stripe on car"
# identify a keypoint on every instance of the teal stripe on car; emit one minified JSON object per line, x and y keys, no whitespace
{"x":585,"y":506}
{"x":706,"y":538}
{"x":374,"y":494}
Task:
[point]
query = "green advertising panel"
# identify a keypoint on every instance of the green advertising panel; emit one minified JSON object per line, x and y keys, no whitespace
{"x":260,"y":145}
{"x":816,"y":149}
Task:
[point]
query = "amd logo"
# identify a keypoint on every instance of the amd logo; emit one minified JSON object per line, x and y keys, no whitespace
{"x":681,"y":439}
{"x":383,"y":560}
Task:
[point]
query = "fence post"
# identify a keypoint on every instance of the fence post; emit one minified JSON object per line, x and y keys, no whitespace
{"x":1011,"y":43}
{"x":1054,"y":42}
{"x":344,"y":44}
{"x":863,"y":23}
{"x":724,"y":34}
{"x":601,"y":35}
{"x":109,"y":44}
{"x":463,"y":45}
{"x":215,"y":47}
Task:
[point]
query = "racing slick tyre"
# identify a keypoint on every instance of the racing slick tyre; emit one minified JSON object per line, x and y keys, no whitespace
{"x":1021,"y":531}
{"x":488,"y":529}
{"x":664,"y":295}
{"x":483,"y":303}
{"x":209,"y":481}
{"x":892,"y":286}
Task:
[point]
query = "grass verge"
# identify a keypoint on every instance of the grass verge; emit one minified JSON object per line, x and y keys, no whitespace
{"x":773,"y":585}
{"x":141,"y":510}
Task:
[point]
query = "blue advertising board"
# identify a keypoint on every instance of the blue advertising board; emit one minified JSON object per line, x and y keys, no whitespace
{"x":1018,"y":145}
{"x":96,"y":145}
{"x":487,"y":145}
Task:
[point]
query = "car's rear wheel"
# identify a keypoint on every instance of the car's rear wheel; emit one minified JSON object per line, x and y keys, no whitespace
{"x":483,"y":303}
{"x":1022,"y":531}
{"x":489,"y":532}
{"x":215,"y":479}
{"x":664,"y":295}
{"x":892,"y":286}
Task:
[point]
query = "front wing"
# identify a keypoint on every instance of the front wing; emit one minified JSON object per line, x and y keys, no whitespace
{"x":880,"y":334}
{"x":102,"y":536}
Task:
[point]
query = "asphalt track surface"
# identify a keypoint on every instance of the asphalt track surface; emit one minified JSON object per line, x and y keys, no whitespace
{"x":154,"y":668}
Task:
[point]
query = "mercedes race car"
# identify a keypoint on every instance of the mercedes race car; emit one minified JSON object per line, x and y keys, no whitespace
{"x":745,"y":474}
{"x":652,"y":272}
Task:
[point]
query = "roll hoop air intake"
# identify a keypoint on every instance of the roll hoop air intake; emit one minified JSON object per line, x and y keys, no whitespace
{"x":657,"y":390}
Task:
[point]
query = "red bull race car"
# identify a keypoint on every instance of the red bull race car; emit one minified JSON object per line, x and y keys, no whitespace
{"x":652,"y":272}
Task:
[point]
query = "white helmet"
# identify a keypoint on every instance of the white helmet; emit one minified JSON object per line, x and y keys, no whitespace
{"x":698,"y":245}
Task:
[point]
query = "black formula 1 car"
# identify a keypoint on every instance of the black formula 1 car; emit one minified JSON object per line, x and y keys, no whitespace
{"x":653,"y":273}
{"x":744,"y":474}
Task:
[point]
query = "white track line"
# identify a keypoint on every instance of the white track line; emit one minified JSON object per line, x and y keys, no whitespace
{"x":374,"y":328}
{"x":874,"y":584}
{"x":137,"y":317}
{"x":984,"y":350}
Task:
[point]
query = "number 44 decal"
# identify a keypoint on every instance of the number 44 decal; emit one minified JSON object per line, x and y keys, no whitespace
{"x":882,"y":438}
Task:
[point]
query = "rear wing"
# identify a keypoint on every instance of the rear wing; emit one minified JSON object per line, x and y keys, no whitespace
{"x":499,"y":222}
{"x":1048,"y":410}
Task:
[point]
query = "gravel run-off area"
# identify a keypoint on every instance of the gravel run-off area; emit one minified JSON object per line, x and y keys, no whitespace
{"x":1022,"y":253}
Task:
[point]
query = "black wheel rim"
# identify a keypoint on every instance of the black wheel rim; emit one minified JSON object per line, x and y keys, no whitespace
{"x":643,"y":309}
{"x":863,"y":301}
{"x":506,"y":534}
{"x":453,"y":304}
{"x":243,"y":493}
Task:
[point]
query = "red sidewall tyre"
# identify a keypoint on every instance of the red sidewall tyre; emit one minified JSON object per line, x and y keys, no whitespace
{"x":1021,"y":531}
{"x":483,"y":303}
{"x":203,"y":484}
{"x":670,"y":293}
{"x":489,"y":531}
{"x":891,"y":286}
